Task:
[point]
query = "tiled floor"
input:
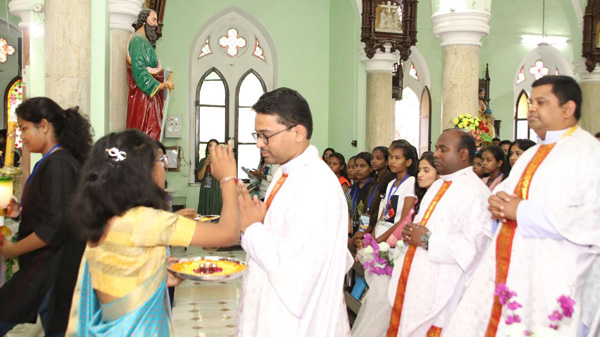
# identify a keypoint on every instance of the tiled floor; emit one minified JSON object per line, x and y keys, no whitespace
{"x":206,"y":309}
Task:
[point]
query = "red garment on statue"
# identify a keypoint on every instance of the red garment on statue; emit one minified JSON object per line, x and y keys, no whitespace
{"x":144,"y":112}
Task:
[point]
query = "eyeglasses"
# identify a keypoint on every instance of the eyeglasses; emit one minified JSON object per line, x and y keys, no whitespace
{"x":164,"y":160}
{"x":265,"y":138}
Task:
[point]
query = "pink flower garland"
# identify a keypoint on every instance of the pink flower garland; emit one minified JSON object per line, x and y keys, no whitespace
{"x":371,"y":266}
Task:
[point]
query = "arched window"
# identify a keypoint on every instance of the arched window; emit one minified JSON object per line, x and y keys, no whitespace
{"x":233,"y":63}
{"x":412,"y":113}
{"x":541,"y":61}
{"x":211,"y":111}
{"x":13,"y":98}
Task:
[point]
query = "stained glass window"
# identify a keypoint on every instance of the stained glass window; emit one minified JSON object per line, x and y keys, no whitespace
{"x":258,"y":51}
{"x":205,"y":50}
{"x":538,"y":70}
{"x":232,"y":42}
{"x":413,"y":72}
{"x":521,"y":75}
{"x":5,"y":50}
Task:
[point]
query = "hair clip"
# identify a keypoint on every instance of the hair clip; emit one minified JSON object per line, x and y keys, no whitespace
{"x":115,"y":154}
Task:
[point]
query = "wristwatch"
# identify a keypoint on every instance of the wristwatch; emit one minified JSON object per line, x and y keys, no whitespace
{"x":425,"y":240}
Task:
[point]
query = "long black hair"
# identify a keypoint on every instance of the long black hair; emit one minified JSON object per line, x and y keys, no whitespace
{"x":342,"y":160}
{"x":419,"y":191}
{"x":409,"y":152}
{"x":116,"y":177}
{"x":72,"y":130}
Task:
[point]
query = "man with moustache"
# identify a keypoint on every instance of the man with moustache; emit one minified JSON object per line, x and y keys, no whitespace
{"x":548,"y":243}
{"x":296,"y":239}
{"x":450,"y":233}
{"x":145,"y":76}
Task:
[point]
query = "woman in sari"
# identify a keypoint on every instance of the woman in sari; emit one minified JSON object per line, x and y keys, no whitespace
{"x":120,"y":210}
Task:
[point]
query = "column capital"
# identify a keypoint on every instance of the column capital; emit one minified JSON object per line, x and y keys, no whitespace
{"x":584,"y":75}
{"x":123,"y":13}
{"x":21,"y":8}
{"x":465,"y":27}
{"x":381,"y":61}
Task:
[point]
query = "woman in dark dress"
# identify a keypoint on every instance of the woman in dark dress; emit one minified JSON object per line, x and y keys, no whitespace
{"x":49,"y":254}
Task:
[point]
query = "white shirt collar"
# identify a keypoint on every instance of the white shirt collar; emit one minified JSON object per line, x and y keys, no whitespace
{"x":552,"y":136}
{"x":452,"y":176}
{"x":311,"y":151}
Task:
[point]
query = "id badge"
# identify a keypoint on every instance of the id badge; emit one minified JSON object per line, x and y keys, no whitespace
{"x":207,"y":182}
{"x":364,"y":222}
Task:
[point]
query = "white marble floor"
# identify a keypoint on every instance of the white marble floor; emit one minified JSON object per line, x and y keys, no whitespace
{"x":206,"y":309}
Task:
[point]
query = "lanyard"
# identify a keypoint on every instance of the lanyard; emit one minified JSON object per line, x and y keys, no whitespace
{"x":390,"y":193}
{"x":356,"y":192}
{"x":375,"y":189}
{"x":39,"y":162}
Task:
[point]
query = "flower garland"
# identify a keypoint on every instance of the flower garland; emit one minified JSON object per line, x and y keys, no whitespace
{"x":382,"y":263}
{"x":515,"y":328}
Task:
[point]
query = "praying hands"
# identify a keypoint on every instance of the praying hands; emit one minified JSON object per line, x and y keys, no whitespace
{"x":252,"y":210}
{"x":504,"y":206}
{"x":411,"y":234}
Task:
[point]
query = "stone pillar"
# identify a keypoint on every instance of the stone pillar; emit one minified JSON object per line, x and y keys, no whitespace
{"x":460,"y":32}
{"x":123,"y":14}
{"x":67,"y":32}
{"x":590,"y":88}
{"x":380,"y":104}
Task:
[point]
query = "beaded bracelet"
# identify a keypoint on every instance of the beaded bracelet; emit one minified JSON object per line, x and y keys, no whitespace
{"x":228,"y":178}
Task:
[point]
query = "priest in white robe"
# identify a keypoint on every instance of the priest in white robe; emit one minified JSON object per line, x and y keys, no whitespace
{"x":451,"y":231}
{"x":295,"y":240}
{"x":549,"y":239}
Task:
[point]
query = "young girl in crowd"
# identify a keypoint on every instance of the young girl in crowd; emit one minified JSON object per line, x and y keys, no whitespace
{"x":426,"y":175}
{"x":49,"y":253}
{"x":517,"y":148}
{"x":382,"y":176}
{"x":328,"y":152}
{"x":495,"y":166}
{"x":350,"y":167}
{"x":360,"y":190}
{"x":399,"y":197}
{"x":337,"y":164}
{"x":478,"y":165}
{"x":120,"y":210}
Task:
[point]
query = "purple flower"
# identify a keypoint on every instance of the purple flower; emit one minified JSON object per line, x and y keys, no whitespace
{"x":566,"y":303}
{"x":510,"y":319}
{"x":504,"y":293}
{"x":555,"y":316}
{"x":527,"y":333}
{"x":514,"y":305}
{"x":553,"y":326}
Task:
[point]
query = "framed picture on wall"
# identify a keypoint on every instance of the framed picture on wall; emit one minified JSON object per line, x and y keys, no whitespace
{"x":173,"y":154}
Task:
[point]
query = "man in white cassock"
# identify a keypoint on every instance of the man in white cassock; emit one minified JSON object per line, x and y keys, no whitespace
{"x":296,"y":239}
{"x":450,"y":233}
{"x":548,"y":241}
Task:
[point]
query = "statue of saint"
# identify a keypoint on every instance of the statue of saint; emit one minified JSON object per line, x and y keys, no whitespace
{"x":485,"y":114}
{"x":145,"y":77}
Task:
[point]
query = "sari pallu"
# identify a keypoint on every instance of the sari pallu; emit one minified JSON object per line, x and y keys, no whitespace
{"x":145,"y":311}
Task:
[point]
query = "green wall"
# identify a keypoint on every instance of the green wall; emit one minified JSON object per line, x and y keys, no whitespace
{"x":300,"y":32}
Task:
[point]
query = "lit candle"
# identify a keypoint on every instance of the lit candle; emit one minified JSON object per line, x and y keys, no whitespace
{"x":6,"y":190}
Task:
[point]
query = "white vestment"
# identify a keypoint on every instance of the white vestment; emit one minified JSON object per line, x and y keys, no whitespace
{"x":461,"y":228}
{"x":297,"y":258}
{"x":556,"y":243}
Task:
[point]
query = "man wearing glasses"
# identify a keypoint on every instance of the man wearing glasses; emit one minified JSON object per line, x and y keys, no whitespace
{"x":296,"y":239}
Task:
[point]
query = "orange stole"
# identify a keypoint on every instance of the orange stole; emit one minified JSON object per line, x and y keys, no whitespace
{"x":507,"y":233}
{"x":276,"y":188}
{"x":434,"y":331}
{"x":408,"y":258}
